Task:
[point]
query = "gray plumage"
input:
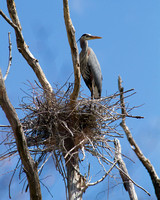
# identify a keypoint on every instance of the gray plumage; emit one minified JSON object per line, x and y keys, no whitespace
{"x":90,"y":67}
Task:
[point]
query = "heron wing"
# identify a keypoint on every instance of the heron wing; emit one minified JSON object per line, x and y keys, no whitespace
{"x":85,"y":69}
{"x":95,"y":68}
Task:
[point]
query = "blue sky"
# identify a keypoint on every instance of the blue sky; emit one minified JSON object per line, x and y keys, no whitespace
{"x":130,"y":47}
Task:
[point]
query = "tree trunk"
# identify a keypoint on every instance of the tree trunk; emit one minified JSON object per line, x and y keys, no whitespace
{"x":74,"y":181}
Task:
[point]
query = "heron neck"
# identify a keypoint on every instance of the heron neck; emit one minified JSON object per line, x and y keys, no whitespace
{"x":84,"y":44}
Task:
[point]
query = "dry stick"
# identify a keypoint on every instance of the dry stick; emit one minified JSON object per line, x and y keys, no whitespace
{"x":74,"y":50}
{"x":8,"y":20}
{"x":45,"y":162}
{"x":146,"y":162}
{"x":100,"y":180}
{"x":10,"y":56}
{"x":5,"y":126}
{"x":69,"y":152}
{"x":132,"y":180}
{"x":12,"y":178}
{"x":24,"y":49}
{"x":128,"y":184}
{"x":105,"y":159}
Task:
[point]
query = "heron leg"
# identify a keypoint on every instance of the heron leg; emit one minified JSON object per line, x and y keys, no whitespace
{"x":91,"y":99}
{"x":92,"y":94}
{"x":92,"y":91}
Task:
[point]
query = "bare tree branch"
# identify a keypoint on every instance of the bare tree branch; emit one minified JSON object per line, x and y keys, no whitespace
{"x":13,"y":13}
{"x":24,"y":49}
{"x":100,"y":180}
{"x":133,"y":181}
{"x":74,"y":49}
{"x":8,"y":20}
{"x":75,"y":182}
{"x":28,"y":163}
{"x":4,"y":126}
{"x":128,"y":184}
{"x":10,"y":57}
{"x":146,"y":162}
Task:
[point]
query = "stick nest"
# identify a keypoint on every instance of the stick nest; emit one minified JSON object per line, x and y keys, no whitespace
{"x":60,"y":129}
{"x":55,"y":123}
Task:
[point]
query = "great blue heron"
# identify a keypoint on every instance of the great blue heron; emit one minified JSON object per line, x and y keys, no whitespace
{"x":90,"y":67}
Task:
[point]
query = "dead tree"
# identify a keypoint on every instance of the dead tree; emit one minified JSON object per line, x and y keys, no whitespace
{"x":61,"y":124}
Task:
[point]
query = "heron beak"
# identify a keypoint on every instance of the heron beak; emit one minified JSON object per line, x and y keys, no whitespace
{"x":94,"y":37}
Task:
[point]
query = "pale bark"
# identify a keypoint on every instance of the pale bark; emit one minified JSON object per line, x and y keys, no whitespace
{"x":74,"y":50}
{"x":24,"y":48}
{"x":29,"y":165}
{"x":128,"y":184}
{"x":74,"y":179}
{"x":10,"y":57}
{"x":146,"y":162}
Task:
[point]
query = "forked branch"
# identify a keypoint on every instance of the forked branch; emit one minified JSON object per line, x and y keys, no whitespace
{"x":104,"y":176}
{"x":23,"y":47}
{"x":146,"y":162}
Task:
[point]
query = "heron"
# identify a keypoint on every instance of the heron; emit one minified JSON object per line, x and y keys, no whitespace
{"x":90,"y":67}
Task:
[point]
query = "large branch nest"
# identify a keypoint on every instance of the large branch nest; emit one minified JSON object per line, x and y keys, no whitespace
{"x":54,"y":127}
{"x":59,"y":126}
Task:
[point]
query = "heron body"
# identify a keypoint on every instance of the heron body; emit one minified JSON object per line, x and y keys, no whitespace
{"x":90,"y":67}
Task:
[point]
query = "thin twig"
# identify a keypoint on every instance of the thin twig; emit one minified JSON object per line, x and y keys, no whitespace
{"x":47,"y":188}
{"x":24,"y":49}
{"x":12,"y":178}
{"x":5,"y":126}
{"x":10,"y":57}
{"x":133,"y":181}
{"x":100,"y":180}
{"x":69,"y":152}
{"x":45,"y":162}
{"x":8,"y":20}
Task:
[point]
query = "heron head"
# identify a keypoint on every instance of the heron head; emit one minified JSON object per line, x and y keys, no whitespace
{"x":88,"y":36}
